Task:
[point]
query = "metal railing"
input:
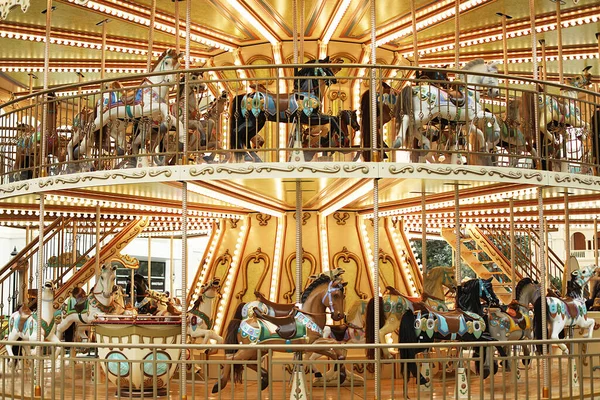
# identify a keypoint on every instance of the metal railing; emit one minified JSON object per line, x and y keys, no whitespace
{"x":145,"y":134}
{"x":451,"y":370}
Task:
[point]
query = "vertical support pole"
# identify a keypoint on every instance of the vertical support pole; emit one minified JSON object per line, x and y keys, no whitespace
{"x":97,"y":240}
{"x":377,"y":375}
{"x":151,"y":35}
{"x":559,"y":41}
{"x":171,"y":267}
{"x":375,"y":155}
{"x":149,"y":260}
{"x":457,"y":257}
{"x":566,"y":271}
{"x":423,"y":229}
{"x":184,"y":211}
{"x":40,"y":270}
{"x":456,"y":34}
{"x":542,"y":267}
{"x":177,"y":33}
{"x":595,"y":241}
{"x":299,"y":251}
{"x":413,"y":14}
{"x":513,"y":261}
{"x":103,"y":56}
{"x":544,"y":68}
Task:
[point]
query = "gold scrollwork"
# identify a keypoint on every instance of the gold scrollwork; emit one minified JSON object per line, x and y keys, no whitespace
{"x":256,"y":257}
{"x":341,"y":217}
{"x":263,"y":219}
{"x":233,"y":222}
{"x":346,"y":256}
{"x":305,"y":217}
{"x":289,"y":262}
{"x":385,"y":258}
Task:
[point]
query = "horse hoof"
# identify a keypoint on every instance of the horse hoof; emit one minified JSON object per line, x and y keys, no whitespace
{"x":264,"y":383}
{"x":215,"y":388}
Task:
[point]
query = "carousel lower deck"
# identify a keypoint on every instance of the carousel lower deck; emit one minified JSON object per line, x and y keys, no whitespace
{"x":82,"y":378}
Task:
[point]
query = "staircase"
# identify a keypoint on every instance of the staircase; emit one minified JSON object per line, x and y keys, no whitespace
{"x":67,"y":248}
{"x":483,"y":269}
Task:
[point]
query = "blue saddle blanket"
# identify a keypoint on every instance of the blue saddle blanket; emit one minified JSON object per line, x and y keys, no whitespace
{"x":258,"y":102}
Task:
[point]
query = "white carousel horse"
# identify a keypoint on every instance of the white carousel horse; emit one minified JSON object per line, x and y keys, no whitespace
{"x":570,"y":311}
{"x":99,"y":301}
{"x":200,"y":322}
{"x":149,"y":101}
{"x":23,"y":323}
{"x":556,"y":113}
{"x":425,"y":102}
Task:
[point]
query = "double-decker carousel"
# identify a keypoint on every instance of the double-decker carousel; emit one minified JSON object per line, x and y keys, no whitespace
{"x":288,"y":161}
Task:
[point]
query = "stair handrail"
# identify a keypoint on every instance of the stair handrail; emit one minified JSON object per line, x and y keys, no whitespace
{"x":533,"y":271}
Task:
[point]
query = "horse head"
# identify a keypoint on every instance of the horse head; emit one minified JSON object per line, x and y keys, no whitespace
{"x":479,"y":65}
{"x":106,"y":280}
{"x":169,"y":60}
{"x":486,"y":292}
{"x":48,"y":291}
{"x":312,"y":85}
{"x":582,"y":80}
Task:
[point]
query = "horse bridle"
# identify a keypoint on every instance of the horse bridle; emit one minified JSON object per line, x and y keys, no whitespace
{"x":483,"y":290}
{"x":327,"y":295}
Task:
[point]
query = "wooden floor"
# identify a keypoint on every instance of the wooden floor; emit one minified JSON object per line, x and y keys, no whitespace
{"x":77,"y":383}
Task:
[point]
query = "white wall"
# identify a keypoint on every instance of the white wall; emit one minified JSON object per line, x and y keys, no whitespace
{"x":9,"y":239}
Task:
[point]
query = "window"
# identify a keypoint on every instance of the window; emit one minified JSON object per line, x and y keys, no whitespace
{"x":578,"y":241}
{"x":158,"y":274}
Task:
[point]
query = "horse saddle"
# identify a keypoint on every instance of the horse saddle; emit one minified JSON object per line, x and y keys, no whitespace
{"x":24,"y":314}
{"x":453,"y":319}
{"x":286,"y":326}
{"x":78,"y":300}
{"x":572,"y":308}
{"x":456,"y":97}
{"x":280,"y":310}
{"x":117,"y":99}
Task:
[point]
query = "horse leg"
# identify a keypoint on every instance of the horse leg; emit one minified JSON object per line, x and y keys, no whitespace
{"x":402,"y":130}
{"x":392,"y":323}
{"x":240,"y":355}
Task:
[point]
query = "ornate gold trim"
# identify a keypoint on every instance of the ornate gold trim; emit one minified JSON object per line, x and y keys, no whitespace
{"x":341,"y":217}
{"x":305,"y":217}
{"x":290,"y":275}
{"x":263,"y":219}
{"x":345,"y":256}
{"x":255,"y":257}
{"x":385,"y":258}
{"x":127,"y":261}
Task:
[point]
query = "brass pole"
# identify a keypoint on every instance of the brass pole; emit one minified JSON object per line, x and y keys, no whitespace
{"x":457,"y":257}
{"x":423,"y":229}
{"x":413,"y":14}
{"x":513,"y":261}
{"x":544,"y":65}
{"x":566,"y":270}
{"x":151,"y":35}
{"x":97,"y":239}
{"x":456,"y":34}
{"x":149,"y":260}
{"x":595,"y":241}
{"x":177,"y":33}
{"x":559,"y":39}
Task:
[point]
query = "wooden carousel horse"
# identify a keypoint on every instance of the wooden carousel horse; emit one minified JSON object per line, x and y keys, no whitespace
{"x":28,"y":149}
{"x":570,"y":311}
{"x":424,"y":102}
{"x":300,"y":326}
{"x":249,"y":112}
{"x":99,"y":301}
{"x":23,"y":323}
{"x":557,"y":113}
{"x":512,"y":322}
{"x":199,"y":315}
{"x":150,"y":102}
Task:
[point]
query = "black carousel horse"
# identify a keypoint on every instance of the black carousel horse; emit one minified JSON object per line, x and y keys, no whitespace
{"x":250,"y":112}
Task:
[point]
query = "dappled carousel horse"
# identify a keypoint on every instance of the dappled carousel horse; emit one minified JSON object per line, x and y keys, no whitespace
{"x":22,"y":324}
{"x":430,"y":102}
{"x":150,"y":101}
{"x":557,"y":113}
{"x":200,"y":323}
{"x":300,"y":326}
{"x":565,"y":312}
{"x":99,"y":301}
{"x":249,"y":112}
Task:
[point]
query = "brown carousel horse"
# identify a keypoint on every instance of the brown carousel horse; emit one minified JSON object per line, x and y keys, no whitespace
{"x":29,"y":145}
{"x":300,"y":326}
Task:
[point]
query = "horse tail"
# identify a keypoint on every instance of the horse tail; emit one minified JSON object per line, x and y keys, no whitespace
{"x":406,"y":101}
{"x":370,"y":332}
{"x":365,"y":124}
{"x":407,"y":334}
{"x":233,"y":327}
{"x":537,"y":321}
{"x":235,"y":127}
{"x":528,"y":112}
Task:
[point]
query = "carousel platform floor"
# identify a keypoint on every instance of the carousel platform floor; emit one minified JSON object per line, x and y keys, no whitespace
{"x":77,"y":384}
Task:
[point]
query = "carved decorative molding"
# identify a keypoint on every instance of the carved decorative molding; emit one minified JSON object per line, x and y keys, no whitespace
{"x":465,"y":172}
{"x":385,"y":258}
{"x":255,"y":258}
{"x":345,"y":256}
{"x":263,"y":219}
{"x":341,"y":217}
{"x":224,"y":259}
{"x":305,"y":217}
{"x":233,"y":222}
{"x":7,"y":5}
{"x":290,"y":271}
{"x":127,"y":261}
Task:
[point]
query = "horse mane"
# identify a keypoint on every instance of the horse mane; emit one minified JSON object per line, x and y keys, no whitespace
{"x":168,"y":52}
{"x":574,"y":289}
{"x":467,"y":296}
{"x":431,"y":277}
{"x":321,"y":279}
{"x":521,"y":285}
{"x":473,"y":63}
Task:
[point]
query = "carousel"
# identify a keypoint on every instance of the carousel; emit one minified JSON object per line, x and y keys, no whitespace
{"x":299,"y":199}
